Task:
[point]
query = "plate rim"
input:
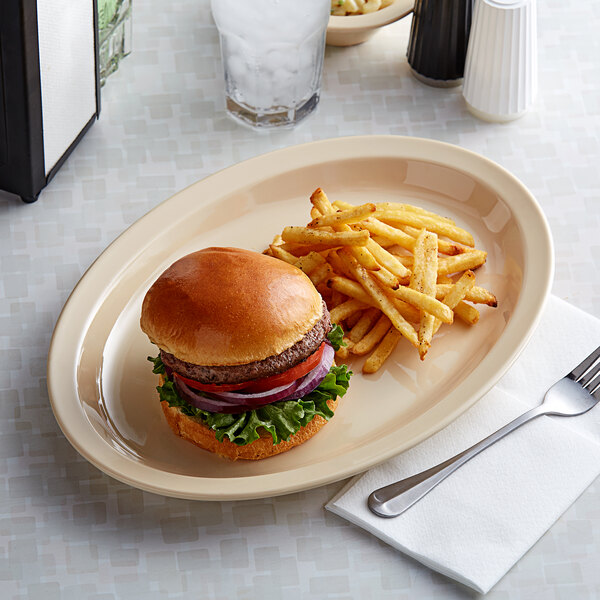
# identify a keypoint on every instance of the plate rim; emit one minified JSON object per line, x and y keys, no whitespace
{"x":524,"y":319}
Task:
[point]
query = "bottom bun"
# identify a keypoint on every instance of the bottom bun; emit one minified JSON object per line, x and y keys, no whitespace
{"x":194,"y":430}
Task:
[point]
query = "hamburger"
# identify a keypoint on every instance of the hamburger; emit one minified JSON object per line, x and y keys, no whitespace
{"x":245,"y":352}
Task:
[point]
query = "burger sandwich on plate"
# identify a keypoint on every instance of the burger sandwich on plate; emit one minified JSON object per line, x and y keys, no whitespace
{"x":246,"y":352}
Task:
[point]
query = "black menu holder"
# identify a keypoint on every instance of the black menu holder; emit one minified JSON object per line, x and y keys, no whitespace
{"x":49,"y":88}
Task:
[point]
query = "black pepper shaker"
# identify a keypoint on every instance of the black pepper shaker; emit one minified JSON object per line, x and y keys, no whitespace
{"x":438,"y":41}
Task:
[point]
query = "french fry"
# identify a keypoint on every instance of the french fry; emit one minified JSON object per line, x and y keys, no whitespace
{"x":365,"y":258}
{"x":341,"y":205}
{"x":371,"y":339}
{"x":444,"y":246}
{"x":432,"y":224}
{"x":320,"y":201}
{"x":309,"y":262}
{"x":337,"y":298}
{"x":321,"y":274}
{"x":388,"y":279}
{"x":411,"y":208}
{"x":342,"y":311}
{"x":350,"y":288}
{"x":384,"y":303}
{"x":476,"y":294}
{"x":344,"y":217}
{"x":388,"y":261}
{"x":352,"y":320}
{"x":282,"y":254}
{"x":467,"y":313}
{"x":423,"y":279}
{"x":456,"y":293}
{"x":316,"y":237}
{"x":315,"y":213}
{"x":462,"y":262}
{"x":343,"y":352}
{"x":397,"y":236}
{"x":364,"y":324}
{"x":425,"y":303}
{"x":382,"y":351}
{"x":338,"y":264}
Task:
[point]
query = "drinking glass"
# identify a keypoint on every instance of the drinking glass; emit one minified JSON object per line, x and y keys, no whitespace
{"x":272,"y":53}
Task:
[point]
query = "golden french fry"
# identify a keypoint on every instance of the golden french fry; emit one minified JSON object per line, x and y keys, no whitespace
{"x":344,"y":351}
{"x":411,"y":208}
{"x":467,"y":313}
{"x":432,"y":224}
{"x":476,"y":294}
{"x":383,"y":242}
{"x":282,"y":254}
{"x":337,"y":298}
{"x":370,"y":340}
{"x":315,"y":213}
{"x":321,"y":273}
{"x":341,"y":205}
{"x":462,"y":262}
{"x":382,"y":351}
{"x":388,"y":279}
{"x":352,"y":320}
{"x":343,"y":217}
{"x":456,"y":293}
{"x":317,"y":237}
{"x":426,"y":303}
{"x":388,"y":261}
{"x":342,"y":311}
{"x":384,"y":303}
{"x":444,"y":246}
{"x":364,"y":324}
{"x":350,"y":288}
{"x":365,"y":258}
{"x":397,"y":236}
{"x":309,"y":262}
{"x":423,"y":279}
{"x":320,"y":201}
{"x":338,"y":264}
{"x":408,"y":311}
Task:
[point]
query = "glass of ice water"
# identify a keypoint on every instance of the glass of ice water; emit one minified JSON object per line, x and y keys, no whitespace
{"x":272,"y":52}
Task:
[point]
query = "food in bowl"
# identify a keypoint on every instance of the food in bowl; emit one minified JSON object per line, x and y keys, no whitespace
{"x":341,"y":8}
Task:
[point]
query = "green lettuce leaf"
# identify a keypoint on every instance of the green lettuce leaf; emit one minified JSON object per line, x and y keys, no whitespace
{"x":281,"y":419}
{"x":336,"y":337}
{"x":159,"y":367}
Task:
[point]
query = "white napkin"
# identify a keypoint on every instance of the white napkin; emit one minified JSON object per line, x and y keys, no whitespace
{"x":477,"y":523}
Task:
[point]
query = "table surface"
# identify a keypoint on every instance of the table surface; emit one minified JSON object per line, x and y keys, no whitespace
{"x":68,"y":530}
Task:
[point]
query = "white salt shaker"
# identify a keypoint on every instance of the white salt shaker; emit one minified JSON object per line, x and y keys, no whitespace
{"x":500,"y":81}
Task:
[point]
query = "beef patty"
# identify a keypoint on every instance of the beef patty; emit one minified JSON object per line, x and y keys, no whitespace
{"x":272,"y":365}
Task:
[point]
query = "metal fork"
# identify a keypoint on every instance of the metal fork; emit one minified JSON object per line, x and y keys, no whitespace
{"x":573,"y":395}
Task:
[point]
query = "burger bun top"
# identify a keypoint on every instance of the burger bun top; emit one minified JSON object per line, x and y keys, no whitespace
{"x":227,"y":306}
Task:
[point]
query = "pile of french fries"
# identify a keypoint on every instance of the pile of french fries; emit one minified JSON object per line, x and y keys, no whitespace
{"x":386,"y":271}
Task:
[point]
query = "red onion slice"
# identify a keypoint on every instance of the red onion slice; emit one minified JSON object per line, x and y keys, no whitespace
{"x":213,"y":405}
{"x":259,"y":398}
{"x":313,"y":378}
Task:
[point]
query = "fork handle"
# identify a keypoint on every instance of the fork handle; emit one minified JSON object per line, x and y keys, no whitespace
{"x":392,"y":500}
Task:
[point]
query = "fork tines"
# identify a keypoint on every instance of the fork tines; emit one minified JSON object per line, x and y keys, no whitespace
{"x":586,"y":373}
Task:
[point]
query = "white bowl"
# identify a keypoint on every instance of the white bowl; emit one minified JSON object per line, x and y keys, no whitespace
{"x":356,"y":29}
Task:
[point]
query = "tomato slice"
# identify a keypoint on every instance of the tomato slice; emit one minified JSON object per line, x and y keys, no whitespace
{"x":260,"y":385}
{"x":211,"y":387}
{"x":267,"y":383}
